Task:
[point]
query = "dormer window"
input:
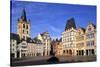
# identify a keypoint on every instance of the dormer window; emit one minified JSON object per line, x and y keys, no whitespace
{"x":27,"y":32}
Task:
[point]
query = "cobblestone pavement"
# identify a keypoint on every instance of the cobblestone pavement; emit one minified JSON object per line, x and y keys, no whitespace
{"x":43,"y":60}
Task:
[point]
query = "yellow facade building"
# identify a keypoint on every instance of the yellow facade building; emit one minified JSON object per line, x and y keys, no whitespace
{"x":80,"y":42}
{"x":59,"y":49}
{"x":68,"y":38}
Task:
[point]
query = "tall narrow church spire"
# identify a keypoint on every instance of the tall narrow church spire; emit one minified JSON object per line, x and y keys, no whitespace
{"x":24,"y":15}
{"x":70,"y":23}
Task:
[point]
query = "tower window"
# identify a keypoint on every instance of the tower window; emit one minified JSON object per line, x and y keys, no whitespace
{"x":27,"y":32}
{"x":27,"y":27}
{"x":23,"y":25}
{"x":23,"y":37}
{"x":23,"y":31}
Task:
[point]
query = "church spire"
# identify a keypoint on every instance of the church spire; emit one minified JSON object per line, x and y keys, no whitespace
{"x":24,"y":15}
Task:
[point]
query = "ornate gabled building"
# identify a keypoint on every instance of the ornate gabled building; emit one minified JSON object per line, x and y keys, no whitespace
{"x":80,"y":42}
{"x":40,"y":45}
{"x":57,"y":47}
{"x":46,"y":40}
{"x":23,"y":27}
{"x":68,"y":38}
{"x":90,"y":39}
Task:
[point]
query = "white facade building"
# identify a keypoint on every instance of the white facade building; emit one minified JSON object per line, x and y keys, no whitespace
{"x":68,"y":38}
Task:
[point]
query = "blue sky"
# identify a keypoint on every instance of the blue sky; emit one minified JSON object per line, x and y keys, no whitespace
{"x":51,"y":17}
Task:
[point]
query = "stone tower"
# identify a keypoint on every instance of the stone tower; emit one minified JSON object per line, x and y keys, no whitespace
{"x":23,"y":26}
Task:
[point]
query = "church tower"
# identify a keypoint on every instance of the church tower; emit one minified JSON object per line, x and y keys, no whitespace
{"x":23,"y":26}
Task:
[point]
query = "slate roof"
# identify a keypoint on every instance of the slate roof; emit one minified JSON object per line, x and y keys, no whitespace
{"x":15,"y":37}
{"x":24,"y":15}
{"x":36,"y":40}
{"x":70,"y":23}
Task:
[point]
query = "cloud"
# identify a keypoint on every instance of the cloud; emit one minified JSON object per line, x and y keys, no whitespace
{"x":54,"y":29}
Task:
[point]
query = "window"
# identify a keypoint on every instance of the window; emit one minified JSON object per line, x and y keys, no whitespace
{"x":23,"y":25}
{"x":90,"y":43}
{"x":27,"y":32}
{"x":93,"y":51}
{"x":70,"y":52}
{"x":13,"y":44}
{"x":90,"y":35}
{"x":23,"y":37}
{"x":89,"y":29}
{"x":66,"y":51}
{"x":23,"y":31}
{"x":72,"y":33}
{"x":27,"y":27}
{"x":63,"y":51}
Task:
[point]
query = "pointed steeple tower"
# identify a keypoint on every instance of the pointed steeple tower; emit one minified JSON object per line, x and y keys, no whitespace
{"x":23,"y":27}
{"x":70,"y":23}
{"x":23,"y":17}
